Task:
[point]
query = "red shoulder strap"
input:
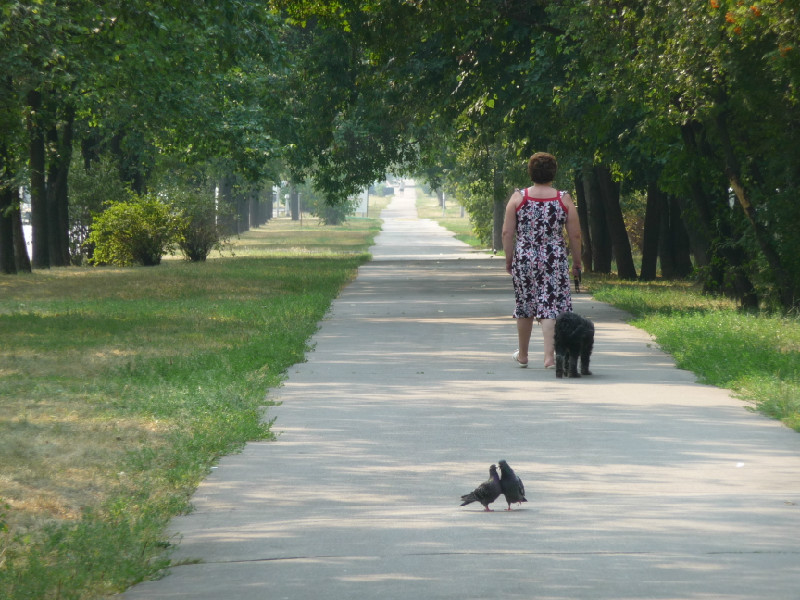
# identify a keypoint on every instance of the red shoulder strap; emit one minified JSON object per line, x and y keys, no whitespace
{"x":561,"y":202}
{"x":525,"y":198}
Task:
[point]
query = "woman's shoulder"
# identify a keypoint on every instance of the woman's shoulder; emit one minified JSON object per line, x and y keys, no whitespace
{"x":565,"y":197}
{"x":566,"y":202}
{"x":517,"y":197}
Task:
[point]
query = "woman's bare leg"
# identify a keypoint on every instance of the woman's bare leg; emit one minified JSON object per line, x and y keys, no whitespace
{"x":524,"y":329}
{"x":548,"y":334}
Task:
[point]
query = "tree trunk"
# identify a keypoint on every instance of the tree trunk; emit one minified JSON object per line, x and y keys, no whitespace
{"x":268,"y":206}
{"x":21,"y":257}
{"x":665,"y":254}
{"x":679,"y":240}
{"x":253,"y":214}
{"x":781,"y":278}
{"x":38,"y":190}
{"x":499,"y":199}
{"x":652,"y":233}
{"x":294,"y":202}
{"x":225,"y":208}
{"x":726,"y":275}
{"x":9,"y":200}
{"x":601,"y":242}
{"x":583,"y":215}
{"x":609,"y":192}
{"x":60,"y":144}
{"x":242,"y":210}
{"x":696,"y":235}
{"x":90,"y":148}
{"x":127,"y":149}
{"x":718,"y":231}
{"x":7,"y":192}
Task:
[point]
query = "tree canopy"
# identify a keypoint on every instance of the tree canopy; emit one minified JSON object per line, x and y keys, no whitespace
{"x":691,"y":106}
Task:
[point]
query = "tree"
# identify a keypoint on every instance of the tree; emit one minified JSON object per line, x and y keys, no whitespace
{"x":112,"y":73}
{"x":136,"y":231}
{"x":691,"y":74}
{"x":198,"y":232}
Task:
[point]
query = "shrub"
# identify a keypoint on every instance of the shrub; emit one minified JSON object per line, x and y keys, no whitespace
{"x":329,"y":211}
{"x":334,"y":214}
{"x":199,"y":232}
{"x":136,"y":231}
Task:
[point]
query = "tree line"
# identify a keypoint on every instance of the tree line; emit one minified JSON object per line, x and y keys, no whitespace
{"x":100,"y":100}
{"x":690,"y":109}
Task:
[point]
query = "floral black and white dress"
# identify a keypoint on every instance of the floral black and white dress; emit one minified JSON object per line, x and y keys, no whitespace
{"x":540,"y":269}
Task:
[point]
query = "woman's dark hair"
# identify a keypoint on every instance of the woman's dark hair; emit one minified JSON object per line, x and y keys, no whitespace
{"x":542,"y":167}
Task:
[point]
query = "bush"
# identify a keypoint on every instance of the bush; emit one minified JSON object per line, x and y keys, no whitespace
{"x":334,"y":214}
{"x":136,"y":231}
{"x":331,"y":212}
{"x":198,"y":230}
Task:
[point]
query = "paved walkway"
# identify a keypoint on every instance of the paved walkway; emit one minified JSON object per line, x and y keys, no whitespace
{"x":641,"y":482}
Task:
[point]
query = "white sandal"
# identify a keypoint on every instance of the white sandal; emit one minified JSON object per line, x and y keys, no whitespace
{"x":515,"y":356}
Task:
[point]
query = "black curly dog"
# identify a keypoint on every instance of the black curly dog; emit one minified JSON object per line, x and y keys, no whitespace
{"x":574,"y":338}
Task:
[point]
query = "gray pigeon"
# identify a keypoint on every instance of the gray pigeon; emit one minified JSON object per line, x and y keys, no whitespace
{"x":485,"y":493}
{"x":511,"y":485}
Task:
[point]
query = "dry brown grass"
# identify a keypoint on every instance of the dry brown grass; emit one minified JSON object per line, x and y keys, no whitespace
{"x":59,"y":449}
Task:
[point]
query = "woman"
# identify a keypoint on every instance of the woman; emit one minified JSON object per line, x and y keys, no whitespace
{"x":536,"y":254}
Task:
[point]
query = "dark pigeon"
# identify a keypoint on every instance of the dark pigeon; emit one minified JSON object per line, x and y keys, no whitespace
{"x":485,"y":493}
{"x":511,"y":485}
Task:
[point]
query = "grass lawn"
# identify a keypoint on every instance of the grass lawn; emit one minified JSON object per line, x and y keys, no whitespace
{"x":757,"y":356}
{"x":119,"y":388}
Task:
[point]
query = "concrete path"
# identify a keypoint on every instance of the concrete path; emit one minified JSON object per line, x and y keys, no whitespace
{"x":641,"y":482}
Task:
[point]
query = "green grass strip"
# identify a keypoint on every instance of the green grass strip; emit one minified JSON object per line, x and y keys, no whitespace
{"x":120,"y":388}
{"x":757,"y":356}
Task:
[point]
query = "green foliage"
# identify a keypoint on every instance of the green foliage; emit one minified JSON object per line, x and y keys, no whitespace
{"x":335,"y":214}
{"x":90,"y":190}
{"x":319,"y":205}
{"x":696,"y":97}
{"x":485,"y":173}
{"x":136,"y":95}
{"x":625,"y":84}
{"x":702,"y":97}
{"x":382,"y":189}
{"x":755,"y":355}
{"x":198,"y":230}
{"x":136,"y":231}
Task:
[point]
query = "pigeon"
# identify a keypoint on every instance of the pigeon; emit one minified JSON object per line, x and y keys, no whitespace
{"x":511,"y":485}
{"x":485,"y":493}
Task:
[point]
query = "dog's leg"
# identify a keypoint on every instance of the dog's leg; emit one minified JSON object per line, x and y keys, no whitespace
{"x":574,"y":353}
{"x":559,"y":365}
{"x":586,"y":353}
{"x":560,"y":350}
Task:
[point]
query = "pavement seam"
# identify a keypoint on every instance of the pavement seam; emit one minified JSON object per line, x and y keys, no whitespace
{"x":502,"y":553}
